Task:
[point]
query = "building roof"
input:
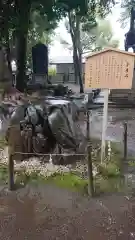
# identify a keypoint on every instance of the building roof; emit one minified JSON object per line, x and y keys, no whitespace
{"x":62,"y":59}
{"x":110,"y":49}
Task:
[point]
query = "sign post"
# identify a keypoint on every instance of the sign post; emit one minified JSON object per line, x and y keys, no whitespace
{"x":109,"y":69}
{"x":104,"y":124}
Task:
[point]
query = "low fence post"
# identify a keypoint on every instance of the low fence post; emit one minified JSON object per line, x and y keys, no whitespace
{"x":10,"y":172}
{"x":125,"y":140}
{"x":89,"y":158}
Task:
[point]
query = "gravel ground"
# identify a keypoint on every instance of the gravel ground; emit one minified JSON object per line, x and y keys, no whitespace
{"x":46,"y":212}
{"x":33,"y":164}
{"x":48,"y":168}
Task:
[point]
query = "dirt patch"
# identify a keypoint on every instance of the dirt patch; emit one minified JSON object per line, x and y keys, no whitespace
{"x":46,"y":212}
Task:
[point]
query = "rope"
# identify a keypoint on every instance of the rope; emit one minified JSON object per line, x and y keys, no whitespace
{"x":48,"y":154}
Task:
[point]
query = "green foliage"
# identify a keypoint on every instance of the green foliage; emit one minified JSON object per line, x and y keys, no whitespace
{"x":40,"y":30}
{"x":96,"y":9}
{"x":108,"y":179}
{"x":12,"y":16}
{"x":95,"y":33}
{"x":3,"y":142}
{"x":68,"y":181}
{"x":126,"y":6}
{"x":15,"y":19}
{"x":99,"y":37}
{"x":95,"y":38}
{"x":104,"y":185}
{"x":109,"y":170}
{"x":79,"y":5}
{"x":52,"y":71}
{"x":3,"y":173}
{"x":22,"y":19}
{"x":131,"y":162}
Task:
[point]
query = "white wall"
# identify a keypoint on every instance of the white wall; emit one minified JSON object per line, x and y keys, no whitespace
{"x":65,"y":68}
{"x":59,"y":78}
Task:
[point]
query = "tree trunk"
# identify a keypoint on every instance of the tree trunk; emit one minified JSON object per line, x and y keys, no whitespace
{"x":80,"y":75}
{"x":21,"y":62}
{"x":8,"y":54}
{"x":79,"y":50}
{"x":75,"y":34}
{"x":6,"y":31}
{"x":75,"y":66}
{"x":22,"y":43}
{"x":78,"y":63}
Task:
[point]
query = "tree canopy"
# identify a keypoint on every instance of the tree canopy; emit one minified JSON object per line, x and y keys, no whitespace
{"x":40,"y":30}
{"x":16,"y":18}
{"x":126,"y":6}
{"x":79,"y":24}
{"x":17,"y":22}
{"x":98,"y":37}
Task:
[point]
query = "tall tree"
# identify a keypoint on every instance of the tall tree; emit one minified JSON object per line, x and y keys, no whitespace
{"x":77,"y":22}
{"x":8,"y":23}
{"x":95,"y":39}
{"x":23,"y":11}
{"x":53,"y":10}
{"x":19,"y":13}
